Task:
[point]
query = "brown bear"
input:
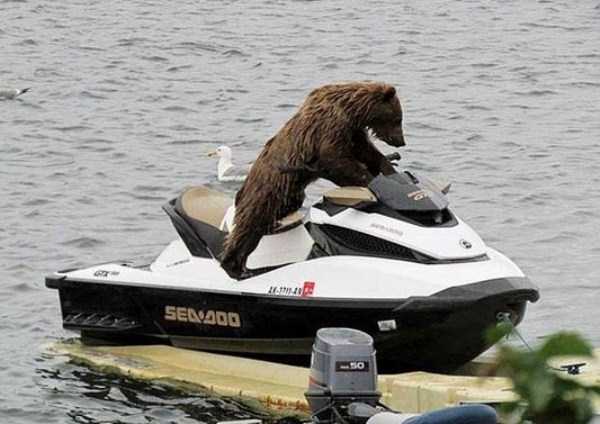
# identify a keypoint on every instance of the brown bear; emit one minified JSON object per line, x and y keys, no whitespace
{"x":326,"y":138}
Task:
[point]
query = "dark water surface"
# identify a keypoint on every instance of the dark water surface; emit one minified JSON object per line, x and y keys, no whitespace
{"x":502,"y":98}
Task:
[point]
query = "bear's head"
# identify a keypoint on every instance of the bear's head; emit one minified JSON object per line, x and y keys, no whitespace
{"x":385,"y":117}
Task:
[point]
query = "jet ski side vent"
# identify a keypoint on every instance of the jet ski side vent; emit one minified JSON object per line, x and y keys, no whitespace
{"x":352,"y":241}
{"x":334,"y":240}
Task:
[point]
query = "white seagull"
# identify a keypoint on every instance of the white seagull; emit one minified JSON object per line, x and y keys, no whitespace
{"x":226,"y":170}
{"x":12,"y":93}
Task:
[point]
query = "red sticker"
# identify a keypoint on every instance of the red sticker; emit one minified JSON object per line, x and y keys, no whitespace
{"x":308,"y":289}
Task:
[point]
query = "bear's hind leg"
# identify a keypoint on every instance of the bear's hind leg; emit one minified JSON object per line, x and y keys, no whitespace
{"x":251,"y":223}
{"x":234,"y":260}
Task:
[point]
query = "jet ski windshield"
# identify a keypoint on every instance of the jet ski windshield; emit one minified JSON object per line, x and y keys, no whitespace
{"x":405,"y":192}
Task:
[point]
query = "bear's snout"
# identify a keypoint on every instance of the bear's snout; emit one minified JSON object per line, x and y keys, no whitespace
{"x":395,"y":138}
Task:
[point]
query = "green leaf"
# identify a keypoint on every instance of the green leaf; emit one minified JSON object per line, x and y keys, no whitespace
{"x":509,"y":407}
{"x":498,"y":332}
{"x":565,"y":344}
{"x":549,"y":397}
{"x":583,"y":410}
{"x":593,"y":389}
{"x":567,"y":385}
{"x":541,"y":389}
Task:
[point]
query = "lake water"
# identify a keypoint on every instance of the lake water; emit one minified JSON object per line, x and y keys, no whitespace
{"x":502,"y":98}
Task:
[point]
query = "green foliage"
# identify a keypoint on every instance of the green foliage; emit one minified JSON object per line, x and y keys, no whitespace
{"x":546,"y":396}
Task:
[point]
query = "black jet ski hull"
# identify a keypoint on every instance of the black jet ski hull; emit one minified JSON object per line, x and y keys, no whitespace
{"x":434,"y":333}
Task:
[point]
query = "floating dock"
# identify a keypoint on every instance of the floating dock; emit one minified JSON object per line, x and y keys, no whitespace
{"x":282,"y":387}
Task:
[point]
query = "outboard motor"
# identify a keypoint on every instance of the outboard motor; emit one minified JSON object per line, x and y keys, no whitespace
{"x":343,"y":377}
{"x":342,"y":387}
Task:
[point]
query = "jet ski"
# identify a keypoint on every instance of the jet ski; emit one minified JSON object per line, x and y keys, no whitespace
{"x":391,"y":259}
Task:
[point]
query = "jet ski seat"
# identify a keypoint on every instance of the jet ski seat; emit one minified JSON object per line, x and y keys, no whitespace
{"x":196,"y":215}
{"x":289,"y":232}
{"x":286,"y":223}
{"x":203,"y":217}
{"x":289,"y":221}
{"x":217,"y":209}
{"x":205,"y":205}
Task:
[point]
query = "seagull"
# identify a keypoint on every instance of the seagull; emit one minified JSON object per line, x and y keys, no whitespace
{"x":226,"y":170}
{"x":12,"y":93}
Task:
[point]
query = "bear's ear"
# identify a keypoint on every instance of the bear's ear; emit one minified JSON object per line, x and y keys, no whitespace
{"x":389,"y":93}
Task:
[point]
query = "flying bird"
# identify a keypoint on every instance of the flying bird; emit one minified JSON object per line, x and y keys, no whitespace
{"x":12,"y":93}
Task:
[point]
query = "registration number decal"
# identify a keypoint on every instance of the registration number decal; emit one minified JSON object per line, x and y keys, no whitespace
{"x":305,"y":290}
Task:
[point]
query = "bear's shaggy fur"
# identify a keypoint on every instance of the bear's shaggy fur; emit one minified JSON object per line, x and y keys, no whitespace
{"x":326,"y":138}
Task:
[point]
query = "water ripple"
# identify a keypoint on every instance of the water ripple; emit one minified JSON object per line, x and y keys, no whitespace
{"x":82,"y":242}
